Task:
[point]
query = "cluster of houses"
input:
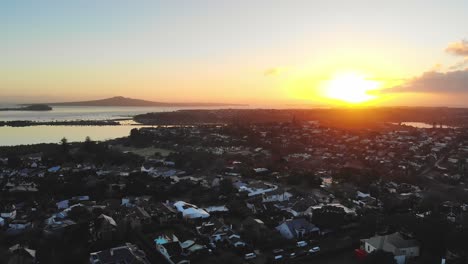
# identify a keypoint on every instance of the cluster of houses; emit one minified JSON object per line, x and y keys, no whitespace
{"x":184,"y":230}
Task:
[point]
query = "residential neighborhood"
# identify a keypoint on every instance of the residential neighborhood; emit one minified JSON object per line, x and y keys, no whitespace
{"x":290,"y":192}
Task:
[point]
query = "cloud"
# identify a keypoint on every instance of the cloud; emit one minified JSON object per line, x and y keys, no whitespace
{"x":274,"y":71}
{"x":460,"y":65}
{"x":434,"y":82}
{"x":459,"y":48}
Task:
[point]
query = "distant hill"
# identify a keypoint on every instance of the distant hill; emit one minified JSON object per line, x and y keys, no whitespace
{"x":123,"y":101}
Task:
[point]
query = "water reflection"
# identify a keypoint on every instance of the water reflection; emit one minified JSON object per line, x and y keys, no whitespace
{"x":10,"y":136}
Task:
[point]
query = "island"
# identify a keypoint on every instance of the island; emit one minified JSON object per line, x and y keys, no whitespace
{"x":33,"y":107}
{"x":124,"y":101}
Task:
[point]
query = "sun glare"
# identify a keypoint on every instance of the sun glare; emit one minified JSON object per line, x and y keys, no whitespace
{"x":350,"y":88}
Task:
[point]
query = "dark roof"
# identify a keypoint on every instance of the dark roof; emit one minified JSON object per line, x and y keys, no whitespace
{"x":300,"y":223}
{"x":124,"y":254}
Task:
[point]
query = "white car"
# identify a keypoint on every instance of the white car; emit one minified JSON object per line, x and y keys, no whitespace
{"x":314,"y":250}
{"x":250,"y":256}
{"x":302,"y":244}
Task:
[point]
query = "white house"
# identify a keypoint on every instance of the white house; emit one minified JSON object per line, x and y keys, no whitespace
{"x":257,"y":188}
{"x":190,"y":211}
{"x":395,"y":243}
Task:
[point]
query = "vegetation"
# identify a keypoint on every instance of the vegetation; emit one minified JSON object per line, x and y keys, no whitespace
{"x":34,"y":107}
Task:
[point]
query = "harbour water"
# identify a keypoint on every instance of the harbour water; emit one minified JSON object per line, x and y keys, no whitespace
{"x":10,"y":136}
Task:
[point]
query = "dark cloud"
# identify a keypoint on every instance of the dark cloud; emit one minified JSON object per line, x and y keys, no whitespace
{"x":434,"y":82}
{"x":459,"y":48}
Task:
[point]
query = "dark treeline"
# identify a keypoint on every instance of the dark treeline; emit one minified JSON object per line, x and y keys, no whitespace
{"x":341,"y":117}
{"x":55,"y":154}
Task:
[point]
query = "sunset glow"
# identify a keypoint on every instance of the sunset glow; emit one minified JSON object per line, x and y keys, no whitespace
{"x":350,"y":88}
{"x":317,"y":53}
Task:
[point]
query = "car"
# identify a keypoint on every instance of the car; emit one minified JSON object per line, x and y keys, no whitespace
{"x":212,"y":245}
{"x":292,"y":255}
{"x":250,"y":256}
{"x":278,"y":250}
{"x":278,"y":257}
{"x":314,"y":250}
{"x":302,"y":244}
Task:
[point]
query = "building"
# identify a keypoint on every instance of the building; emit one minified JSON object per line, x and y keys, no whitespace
{"x":21,"y":254}
{"x":171,"y":249}
{"x":297,"y":229}
{"x":395,"y":243}
{"x":190,"y":211}
{"x":127,"y":253}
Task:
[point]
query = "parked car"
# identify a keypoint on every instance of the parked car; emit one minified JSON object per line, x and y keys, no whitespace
{"x":314,"y":250}
{"x":278,"y":250}
{"x":302,"y":244}
{"x":250,"y":256}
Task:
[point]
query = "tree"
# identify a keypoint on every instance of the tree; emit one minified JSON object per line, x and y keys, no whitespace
{"x":65,"y":145}
{"x":329,"y":216}
{"x":380,"y":257}
{"x":226,"y":187}
{"x":89,"y":145}
{"x":14,"y":161}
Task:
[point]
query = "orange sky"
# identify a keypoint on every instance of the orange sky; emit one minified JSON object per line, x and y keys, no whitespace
{"x":244,"y":52}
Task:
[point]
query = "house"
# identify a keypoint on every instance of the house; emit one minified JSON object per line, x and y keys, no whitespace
{"x":395,"y":243}
{"x":20,"y":224}
{"x":21,"y":254}
{"x":297,"y":228}
{"x":162,"y":213}
{"x":276,"y":196}
{"x":8,"y":212}
{"x":214,"y":230}
{"x":170,"y":248}
{"x":255,"y":188}
{"x":57,"y":227}
{"x":260,"y":170}
{"x":54,"y":169}
{"x":253,"y":223}
{"x":299,"y":207}
{"x":104,"y":228}
{"x":127,"y":253}
{"x":190,"y":211}
{"x":236,"y":241}
{"x":216,"y":209}
{"x":64,"y":204}
{"x":189,"y":247}
{"x":137,"y":217}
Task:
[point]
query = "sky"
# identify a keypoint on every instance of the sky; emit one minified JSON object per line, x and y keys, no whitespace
{"x":256,"y":52}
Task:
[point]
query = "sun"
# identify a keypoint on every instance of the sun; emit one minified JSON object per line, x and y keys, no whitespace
{"x":350,"y":88}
